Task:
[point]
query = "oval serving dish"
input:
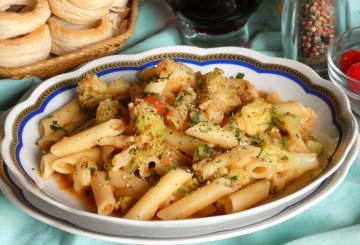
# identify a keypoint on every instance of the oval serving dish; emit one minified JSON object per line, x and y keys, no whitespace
{"x":294,"y":81}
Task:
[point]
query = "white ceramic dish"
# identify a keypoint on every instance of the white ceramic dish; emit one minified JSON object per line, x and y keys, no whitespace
{"x":293,"y":80}
{"x":56,"y":217}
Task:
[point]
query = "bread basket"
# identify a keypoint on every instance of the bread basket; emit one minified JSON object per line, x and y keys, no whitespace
{"x":60,"y":64}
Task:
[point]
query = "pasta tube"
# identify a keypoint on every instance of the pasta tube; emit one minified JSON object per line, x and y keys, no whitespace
{"x":71,"y":112}
{"x":47,"y":141}
{"x":214,"y":134}
{"x":183,"y":142}
{"x":198,"y":200}
{"x":247,"y":196}
{"x":102,"y":190}
{"x":88,"y":138}
{"x":147,"y":206}
{"x":66,"y":165}
{"x":46,"y":168}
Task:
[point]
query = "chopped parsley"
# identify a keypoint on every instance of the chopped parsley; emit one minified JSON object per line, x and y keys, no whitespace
{"x":195,"y":117}
{"x":182,"y":190}
{"x":132,"y":151}
{"x":197,"y":152}
{"x":284,"y":142}
{"x":179,"y":97}
{"x":107,"y":177}
{"x":55,"y":126}
{"x":275,"y":121}
{"x":171,"y":168}
{"x":240,"y":75}
{"x":233,"y":178}
{"x":312,"y":138}
{"x":284,"y":157}
{"x":207,"y":149}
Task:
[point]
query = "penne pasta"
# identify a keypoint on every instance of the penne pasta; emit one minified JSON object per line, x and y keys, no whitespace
{"x":127,"y":184}
{"x":259,"y":170}
{"x":247,"y":197}
{"x":46,"y":168}
{"x":120,"y":141}
{"x":102,"y":191}
{"x":123,"y":158}
{"x":239,"y":156}
{"x":88,"y":138}
{"x":198,"y":200}
{"x":82,"y":174}
{"x":47,"y":141}
{"x":146,"y":167}
{"x":66,"y":165}
{"x":214,"y":134}
{"x":183,"y":142}
{"x":71,"y":112}
{"x":147,"y":206}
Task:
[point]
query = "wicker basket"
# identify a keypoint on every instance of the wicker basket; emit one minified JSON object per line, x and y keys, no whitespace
{"x":67,"y":62}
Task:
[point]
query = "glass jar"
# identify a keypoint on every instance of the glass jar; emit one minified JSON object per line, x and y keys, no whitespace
{"x":214,"y":23}
{"x":308,"y":28}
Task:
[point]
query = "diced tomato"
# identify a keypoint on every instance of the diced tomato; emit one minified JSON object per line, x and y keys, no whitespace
{"x":225,"y":121}
{"x":244,"y":98}
{"x":354,"y":72}
{"x":159,"y":104}
{"x":348,"y":58}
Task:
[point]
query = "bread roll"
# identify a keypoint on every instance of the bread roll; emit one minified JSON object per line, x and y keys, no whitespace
{"x":72,"y":13}
{"x":67,"y":37}
{"x":92,"y":4}
{"x":14,"y":24}
{"x":27,"y":49}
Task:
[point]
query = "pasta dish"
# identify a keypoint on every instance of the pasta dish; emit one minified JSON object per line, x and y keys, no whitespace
{"x":178,"y":144}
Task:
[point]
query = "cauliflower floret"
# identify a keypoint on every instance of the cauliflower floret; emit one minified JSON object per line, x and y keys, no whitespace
{"x":177,"y":74}
{"x":294,"y":164}
{"x":92,"y":91}
{"x":286,"y":165}
{"x":253,"y":118}
{"x":107,"y":109}
{"x":118,"y":88}
{"x":178,"y":112}
{"x":232,"y":160}
{"x":295,"y":119}
{"x":220,"y":95}
{"x":148,"y":121}
{"x":152,"y":132}
{"x":314,"y":145}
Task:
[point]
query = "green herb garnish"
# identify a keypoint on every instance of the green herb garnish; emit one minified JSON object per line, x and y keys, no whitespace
{"x":233,"y":178}
{"x":284,"y":157}
{"x":55,"y":126}
{"x":240,"y":75}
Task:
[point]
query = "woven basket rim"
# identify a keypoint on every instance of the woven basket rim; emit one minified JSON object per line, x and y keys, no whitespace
{"x":42,"y":69}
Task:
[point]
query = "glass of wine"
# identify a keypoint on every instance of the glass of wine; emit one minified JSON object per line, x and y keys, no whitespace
{"x":214,"y":23}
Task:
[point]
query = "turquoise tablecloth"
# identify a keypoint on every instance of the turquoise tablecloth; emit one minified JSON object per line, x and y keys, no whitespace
{"x":335,"y":220}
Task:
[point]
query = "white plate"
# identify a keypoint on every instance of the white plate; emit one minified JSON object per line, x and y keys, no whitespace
{"x":291,"y":79}
{"x":56,"y":217}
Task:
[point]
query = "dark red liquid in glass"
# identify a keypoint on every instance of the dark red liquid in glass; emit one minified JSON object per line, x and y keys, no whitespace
{"x":214,"y":16}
